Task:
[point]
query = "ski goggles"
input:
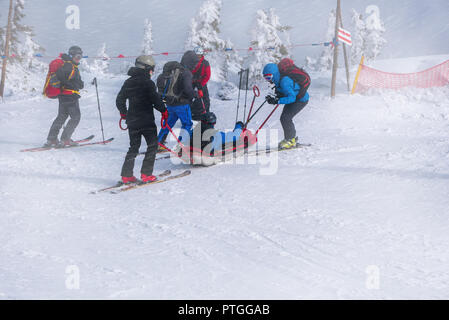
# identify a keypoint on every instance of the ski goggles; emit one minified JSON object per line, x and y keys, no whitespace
{"x":77,"y":56}
{"x":268,"y":77}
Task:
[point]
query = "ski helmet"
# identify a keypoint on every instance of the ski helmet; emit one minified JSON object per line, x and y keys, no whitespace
{"x":209,"y":117}
{"x":199,"y":51}
{"x":75,"y":50}
{"x":145,"y":62}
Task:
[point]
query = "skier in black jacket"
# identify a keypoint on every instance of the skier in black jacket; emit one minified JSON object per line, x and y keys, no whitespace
{"x":71,"y":83}
{"x":181,"y":109}
{"x":141,"y":92}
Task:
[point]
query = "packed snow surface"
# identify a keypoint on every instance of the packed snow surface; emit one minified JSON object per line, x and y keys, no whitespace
{"x":363,"y":213}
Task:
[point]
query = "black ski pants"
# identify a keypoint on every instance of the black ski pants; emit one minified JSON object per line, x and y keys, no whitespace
{"x":68,"y":106}
{"x":289,"y":112}
{"x":135,"y":139}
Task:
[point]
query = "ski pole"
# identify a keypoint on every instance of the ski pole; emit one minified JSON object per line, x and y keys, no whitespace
{"x":269,"y":116}
{"x":246,"y":93}
{"x":238,"y":99}
{"x":255,"y":113}
{"x":204,"y":106}
{"x":94,"y":81}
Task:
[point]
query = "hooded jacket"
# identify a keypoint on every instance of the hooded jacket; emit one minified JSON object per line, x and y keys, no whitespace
{"x":201,"y":73}
{"x":288,"y":89}
{"x":140,"y":90}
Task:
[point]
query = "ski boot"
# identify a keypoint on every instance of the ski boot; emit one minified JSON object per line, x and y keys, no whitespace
{"x":51,"y":143}
{"x":288,"y":144}
{"x":67,"y":143}
{"x":161,"y":149}
{"x":128,"y":180}
{"x":145,"y":178}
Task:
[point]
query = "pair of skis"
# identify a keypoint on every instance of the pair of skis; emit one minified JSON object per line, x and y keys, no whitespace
{"x":80,"y":143}
{"x":163,"y":177}
{"x":276,"y":149}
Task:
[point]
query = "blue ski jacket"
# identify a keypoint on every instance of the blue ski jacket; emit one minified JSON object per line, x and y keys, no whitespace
{"x":286,"y":86}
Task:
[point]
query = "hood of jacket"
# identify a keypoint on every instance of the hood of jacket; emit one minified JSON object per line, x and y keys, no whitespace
{"x":190,"y":60}
{"x":137,"y":72}
{"x":273,"y":69}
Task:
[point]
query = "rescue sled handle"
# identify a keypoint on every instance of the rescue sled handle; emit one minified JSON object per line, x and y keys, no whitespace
{"x":256,"y":92}
{"x":121,"y":126}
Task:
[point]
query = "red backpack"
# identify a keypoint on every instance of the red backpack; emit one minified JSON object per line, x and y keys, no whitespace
{"x":288,"y":68}
{"x":52,"y":88}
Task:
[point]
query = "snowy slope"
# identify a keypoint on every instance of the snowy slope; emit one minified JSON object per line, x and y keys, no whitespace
{"x":372,"y":191}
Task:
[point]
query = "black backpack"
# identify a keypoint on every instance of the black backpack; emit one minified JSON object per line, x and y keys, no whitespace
{"x":168,"y":83}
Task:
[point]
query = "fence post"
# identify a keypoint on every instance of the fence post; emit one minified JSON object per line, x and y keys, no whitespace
{"x":335,"y":66}
{"x":346,"y":56}
{"x":357,"y":75}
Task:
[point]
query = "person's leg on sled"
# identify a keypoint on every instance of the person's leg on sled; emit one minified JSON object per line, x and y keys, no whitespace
{"x":292,"y":95}
{"x":211,"y":140}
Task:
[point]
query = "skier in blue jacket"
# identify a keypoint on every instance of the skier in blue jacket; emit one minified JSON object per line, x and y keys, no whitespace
{"x":292,"y":95}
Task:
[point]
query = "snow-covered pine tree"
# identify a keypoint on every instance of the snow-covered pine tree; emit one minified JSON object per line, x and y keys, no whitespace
{"x":325,"y":61}
{"x":147,"y":43}
{"x":283,"y":32}
{"x":17,"y":29}
{"x":375,"y":29}
{"x":231,"y":66}
{"x":266,"y":46}
{"x":358,"y":37}
{"x":100,"y":66}
{"x":204,"y":33}
{"x":22,"y":44}
{"x":232,"y":60}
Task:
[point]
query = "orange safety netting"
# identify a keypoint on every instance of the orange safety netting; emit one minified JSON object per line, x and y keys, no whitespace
{"x":437,"y":76}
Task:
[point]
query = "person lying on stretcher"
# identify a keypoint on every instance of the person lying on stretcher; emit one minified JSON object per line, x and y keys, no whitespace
{"x":206,"y":139}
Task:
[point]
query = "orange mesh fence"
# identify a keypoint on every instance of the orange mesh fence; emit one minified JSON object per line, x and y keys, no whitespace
{"x":437,"y":76}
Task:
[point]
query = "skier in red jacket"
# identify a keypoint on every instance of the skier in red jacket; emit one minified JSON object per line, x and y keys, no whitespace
{"x":201,"y":75}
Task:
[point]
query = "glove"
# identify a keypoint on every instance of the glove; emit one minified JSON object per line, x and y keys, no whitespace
{"x":165,"y":115}
{"x":200,"y":94}
{"x":272,"y":100}
{"x":123,"y":116}
{"x":278,"y":94}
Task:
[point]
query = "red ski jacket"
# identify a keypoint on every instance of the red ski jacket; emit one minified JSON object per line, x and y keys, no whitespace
{"x":201,"y":73}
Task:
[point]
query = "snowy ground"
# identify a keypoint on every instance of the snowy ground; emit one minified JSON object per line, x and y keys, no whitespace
{"x":371,"y":194}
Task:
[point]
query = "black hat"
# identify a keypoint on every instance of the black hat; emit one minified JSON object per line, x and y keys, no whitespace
{"x":74,"y":50}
